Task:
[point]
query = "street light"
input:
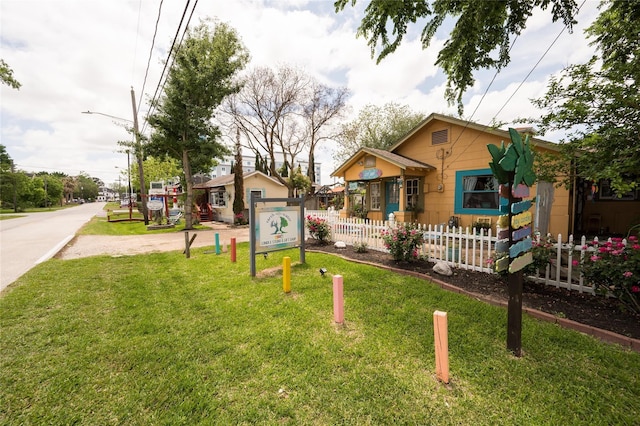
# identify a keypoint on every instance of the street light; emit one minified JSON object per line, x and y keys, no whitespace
{"x":138,"y":149}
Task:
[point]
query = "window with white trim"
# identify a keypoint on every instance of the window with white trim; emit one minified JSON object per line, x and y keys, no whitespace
{"x":374,"y":195}
{"x":476,"y":192}
{"x":218,"y":199}
{"x":411,"y":190}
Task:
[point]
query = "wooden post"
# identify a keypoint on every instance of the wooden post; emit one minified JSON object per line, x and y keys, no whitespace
{"x":338,"y":299}
{"x":187,"y":252}
{"x":286,"y":274}
{"x":441,"y":341}
{"x":233,"y":249}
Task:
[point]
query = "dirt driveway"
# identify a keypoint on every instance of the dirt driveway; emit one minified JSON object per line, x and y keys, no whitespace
{"x":93,"y":245}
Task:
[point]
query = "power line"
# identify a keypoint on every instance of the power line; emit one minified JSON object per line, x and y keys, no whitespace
{"x":513,"y":94}
{"x":153,"y":42}
{"x":160,"y":85}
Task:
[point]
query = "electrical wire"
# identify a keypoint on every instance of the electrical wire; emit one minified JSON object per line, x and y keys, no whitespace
{"x":165,"y":73}
{"x":512,"y":95}
{"x":153,"y":42}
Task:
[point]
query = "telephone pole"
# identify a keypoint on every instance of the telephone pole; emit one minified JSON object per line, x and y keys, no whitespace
{"x":143,"y":190}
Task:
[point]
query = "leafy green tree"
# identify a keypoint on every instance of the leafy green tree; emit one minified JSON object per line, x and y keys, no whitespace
{"x":6,"y":76}
{"x":599,"y":105}
{"x":299,"y":182}
{"x":202,"y":75}
{"x":480,"y":37}
{"x":376,"y":127}
{"x":8,"y":180}
{"x":85,"y":187}
{"x":52,"y":189}
{"x":154,"y":169}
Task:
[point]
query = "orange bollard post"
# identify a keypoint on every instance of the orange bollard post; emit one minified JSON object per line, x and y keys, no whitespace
{"x":441,"y":338}
{"x":338,"y":299}
{"x":233,"y":249}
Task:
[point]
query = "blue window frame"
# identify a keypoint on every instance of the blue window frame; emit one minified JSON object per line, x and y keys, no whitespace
{"x":476,"y":193}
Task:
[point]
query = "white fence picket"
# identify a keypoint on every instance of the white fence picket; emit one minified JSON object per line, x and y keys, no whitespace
{"x":466,"y":249}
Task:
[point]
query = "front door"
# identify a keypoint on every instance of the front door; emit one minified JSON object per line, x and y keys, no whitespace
{"x":391,"y":198}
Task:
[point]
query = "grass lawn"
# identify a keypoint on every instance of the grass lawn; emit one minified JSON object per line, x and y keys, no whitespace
{"x":161,"y":339}
{"x":101,"y":226}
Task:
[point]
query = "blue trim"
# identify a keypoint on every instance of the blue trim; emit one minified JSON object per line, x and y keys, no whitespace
{"x":459,"y":194}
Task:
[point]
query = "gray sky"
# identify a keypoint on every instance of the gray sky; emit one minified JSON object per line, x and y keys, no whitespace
{"x":79,"y":55}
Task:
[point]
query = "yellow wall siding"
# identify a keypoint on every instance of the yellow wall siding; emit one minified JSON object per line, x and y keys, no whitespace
{"x":465,"y":149}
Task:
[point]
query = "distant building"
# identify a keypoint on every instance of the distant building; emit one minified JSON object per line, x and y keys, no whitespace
{"x":249,"y":165}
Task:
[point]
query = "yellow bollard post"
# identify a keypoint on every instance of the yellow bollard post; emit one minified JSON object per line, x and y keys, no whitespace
{"x":286,"y":274}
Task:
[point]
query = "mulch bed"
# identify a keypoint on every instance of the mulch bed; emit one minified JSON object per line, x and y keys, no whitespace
{"x":596,"y":311}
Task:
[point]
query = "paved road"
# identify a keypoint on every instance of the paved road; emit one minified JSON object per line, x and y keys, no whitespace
{"x":29,"y":240}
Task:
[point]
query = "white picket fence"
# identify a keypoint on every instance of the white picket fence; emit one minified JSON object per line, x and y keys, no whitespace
{"x":461,"y":248}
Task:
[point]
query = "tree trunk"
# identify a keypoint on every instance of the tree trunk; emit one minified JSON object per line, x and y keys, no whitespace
{"x":188,"y":205}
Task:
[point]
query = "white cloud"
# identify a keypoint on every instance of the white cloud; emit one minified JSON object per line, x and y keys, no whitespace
{"x":73,"y":56}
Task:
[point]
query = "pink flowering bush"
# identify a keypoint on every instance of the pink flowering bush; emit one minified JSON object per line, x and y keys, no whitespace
{"x":318,"y":229}
{"x":403,"y":242}
{"x":614,"y":267}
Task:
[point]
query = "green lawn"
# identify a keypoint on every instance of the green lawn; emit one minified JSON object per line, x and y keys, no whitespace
{"x":101,"y":226}
{"x":161,"y":339}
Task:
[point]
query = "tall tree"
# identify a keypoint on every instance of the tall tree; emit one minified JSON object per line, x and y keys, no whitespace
{"x":323,"y":105}
{"x":238,"y":180}
{"x":480,"y":37}
{"x":6,"y":76}
{"x":599,"y":105}
{"x":376,"y":127}
{"x":202,"y":75}
{"x":283,"y":114}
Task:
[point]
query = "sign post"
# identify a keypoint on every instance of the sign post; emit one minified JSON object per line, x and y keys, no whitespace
{"x":513,"y":168}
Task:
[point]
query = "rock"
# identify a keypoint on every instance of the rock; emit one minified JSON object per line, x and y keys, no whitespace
{"x":340,"y":245}
{"x":442,"y":269}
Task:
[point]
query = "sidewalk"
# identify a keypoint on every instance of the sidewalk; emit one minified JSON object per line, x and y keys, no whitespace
{"x":123,"y":245}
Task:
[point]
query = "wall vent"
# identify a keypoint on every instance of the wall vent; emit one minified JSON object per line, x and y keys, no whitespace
{"x":440,"y":137}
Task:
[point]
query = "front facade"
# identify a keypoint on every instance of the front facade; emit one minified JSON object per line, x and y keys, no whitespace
{"x":439,"y":174}
{"x":221,"y":190}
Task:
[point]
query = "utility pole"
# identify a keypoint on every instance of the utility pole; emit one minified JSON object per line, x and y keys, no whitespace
{"x":143,"y":190}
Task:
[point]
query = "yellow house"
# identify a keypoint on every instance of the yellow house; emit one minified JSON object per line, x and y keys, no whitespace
{"x":439,"y":174}
{"x":221,"y":190}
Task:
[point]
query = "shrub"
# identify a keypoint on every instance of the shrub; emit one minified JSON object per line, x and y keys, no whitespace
{"x":318,"y":229}
{"x":402,"y":242}
{"x":360,"y":247}
{"x":239,"y":219}
{"x":613,"y":267}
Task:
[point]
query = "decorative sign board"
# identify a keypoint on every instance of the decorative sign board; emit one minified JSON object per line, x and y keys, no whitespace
{"x":520,"y":247}
{"x":521,"y":220}
{"x":277,"y":228}
{"x":502,"y":246}
{"x":520,"y":207}
{"x":368,"y":174}
{"x":520,"y":262}
{"x":502,"y":264}
{"x":155,"y":203}
{"x":521,"y":233}
{"x":520,"y":191}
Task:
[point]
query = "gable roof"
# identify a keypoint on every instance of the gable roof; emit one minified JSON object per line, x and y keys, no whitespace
{"x":393,"y":158}
{"x":479,"y":127}
{"x":229,"y":180}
